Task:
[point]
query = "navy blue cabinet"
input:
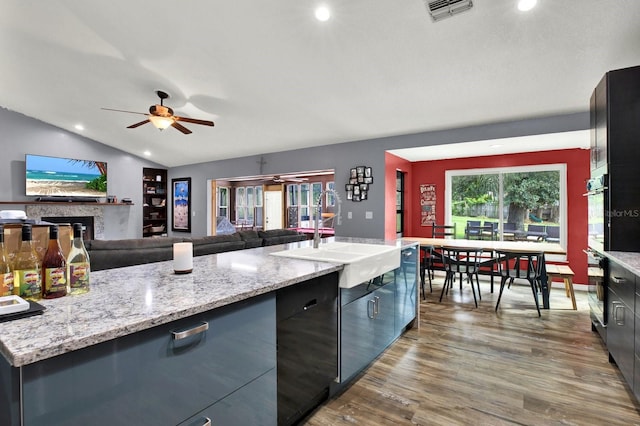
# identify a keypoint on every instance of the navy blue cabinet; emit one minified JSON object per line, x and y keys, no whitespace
{"x":406,"y":278}
{"x":163,"y":375}
{"x":239,"y":408}
{"x":374,"y":314}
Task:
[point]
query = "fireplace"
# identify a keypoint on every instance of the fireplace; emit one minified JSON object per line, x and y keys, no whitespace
{"x":91,"y":217}
{"x":86,"y":221}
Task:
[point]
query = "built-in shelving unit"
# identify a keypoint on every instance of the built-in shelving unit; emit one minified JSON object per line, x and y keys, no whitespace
{"x":154,"y":199}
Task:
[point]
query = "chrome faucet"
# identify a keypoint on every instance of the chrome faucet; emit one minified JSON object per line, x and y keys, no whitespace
{"x":316,"y":232}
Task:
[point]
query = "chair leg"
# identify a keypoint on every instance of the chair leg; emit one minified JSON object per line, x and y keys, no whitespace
{"x":503,"y":281}
{"x":445,"y":286}
{"x":473,"y":290}
{"x":535,"y":294}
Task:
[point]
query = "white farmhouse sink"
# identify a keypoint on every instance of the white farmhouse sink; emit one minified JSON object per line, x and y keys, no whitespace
{"x":362,"y":262}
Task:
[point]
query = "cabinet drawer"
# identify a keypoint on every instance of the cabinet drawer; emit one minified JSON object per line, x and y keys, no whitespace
{"x":253,"y":404}
{"x":150,"y":377}
{"x":623,"y":283}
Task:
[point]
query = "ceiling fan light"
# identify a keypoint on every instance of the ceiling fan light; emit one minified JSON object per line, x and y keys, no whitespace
{"x":161,"y":122}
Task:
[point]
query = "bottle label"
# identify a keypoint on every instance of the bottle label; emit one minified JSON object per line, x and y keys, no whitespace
{"x":6,"y":284}
{"x":30,"y":284}
{"x":79,"y":275}
{"x":55,"y":280}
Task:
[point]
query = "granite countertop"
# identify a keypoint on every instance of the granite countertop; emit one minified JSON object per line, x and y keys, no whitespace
{"x":126,"y":300}
{"x":630,"y":260}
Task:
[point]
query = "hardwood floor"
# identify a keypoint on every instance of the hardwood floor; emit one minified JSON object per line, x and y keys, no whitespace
{"x":468,"y":366}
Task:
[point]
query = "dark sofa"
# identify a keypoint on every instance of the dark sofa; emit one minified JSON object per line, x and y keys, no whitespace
{"x":108,"y":254}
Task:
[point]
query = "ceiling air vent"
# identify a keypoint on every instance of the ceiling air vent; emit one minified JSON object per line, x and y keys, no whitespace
{"x":440,"y":9}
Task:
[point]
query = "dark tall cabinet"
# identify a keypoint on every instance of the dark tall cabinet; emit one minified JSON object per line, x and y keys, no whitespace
{"x":154,"y":202}
{"x":615,"y":152}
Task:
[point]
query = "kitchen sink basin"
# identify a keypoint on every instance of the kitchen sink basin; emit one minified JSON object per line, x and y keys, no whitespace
{"x":362,"y":262}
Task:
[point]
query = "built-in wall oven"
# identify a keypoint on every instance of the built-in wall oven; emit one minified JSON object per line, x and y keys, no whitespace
{"x":597,"y":197}
{"x":597,"y":292}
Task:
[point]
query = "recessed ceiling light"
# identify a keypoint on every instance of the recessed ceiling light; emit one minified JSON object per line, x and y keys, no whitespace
{"x":322,"y":13}
{"x":526,"y":5}
{"x":147,"y":153}
{"x":79,"y":127}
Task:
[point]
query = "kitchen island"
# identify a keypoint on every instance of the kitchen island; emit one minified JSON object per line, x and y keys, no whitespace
{"x":144,"y":327}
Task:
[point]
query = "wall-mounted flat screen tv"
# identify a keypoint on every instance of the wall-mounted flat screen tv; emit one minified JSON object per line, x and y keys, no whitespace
{"x":65,"y":177}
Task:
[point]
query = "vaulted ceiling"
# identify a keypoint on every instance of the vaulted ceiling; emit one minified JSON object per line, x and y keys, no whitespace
{"x":274,"y":78}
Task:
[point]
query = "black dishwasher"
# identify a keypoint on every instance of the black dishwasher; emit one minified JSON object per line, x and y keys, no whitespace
{"x":307,"y":336}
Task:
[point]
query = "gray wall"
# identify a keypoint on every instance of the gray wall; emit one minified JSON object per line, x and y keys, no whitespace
{"x":342,"y":157}
{"x":21,"y":135}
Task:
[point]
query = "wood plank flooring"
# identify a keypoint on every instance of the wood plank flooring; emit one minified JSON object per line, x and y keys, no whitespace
{"x":468,"y":366}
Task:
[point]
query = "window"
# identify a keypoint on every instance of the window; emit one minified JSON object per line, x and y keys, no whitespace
{"x":330,"y":200}
{"x":399,"y":203}
{"x":241,"y":212}
{"x":521,"y":203}
{"x":249,"y":205}
{"x":223,"y":202}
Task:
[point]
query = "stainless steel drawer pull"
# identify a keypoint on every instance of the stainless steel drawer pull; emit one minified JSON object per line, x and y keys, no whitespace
{"x":618,"y":280}
{"x":376,"y":306}
{"x":177,"y":335}
{"x":371,"y":304}
{"x":207,"y":422}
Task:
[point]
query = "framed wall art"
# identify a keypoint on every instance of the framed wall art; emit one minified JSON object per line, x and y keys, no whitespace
{"x":357,"y":187}
{"x":181,"y":204}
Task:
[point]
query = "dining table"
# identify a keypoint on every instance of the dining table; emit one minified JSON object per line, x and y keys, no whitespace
{"x":495,"y":245}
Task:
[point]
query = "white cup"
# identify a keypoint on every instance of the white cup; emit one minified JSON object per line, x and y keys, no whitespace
{"x":182,"y":258}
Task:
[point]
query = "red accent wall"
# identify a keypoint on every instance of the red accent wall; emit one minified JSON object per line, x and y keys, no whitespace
{"x":577,"y":161}
{"x":391,"y":165}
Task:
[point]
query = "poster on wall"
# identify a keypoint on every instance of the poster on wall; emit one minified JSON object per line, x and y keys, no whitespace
{"x":427,"y":204}
{"x":181,"y":204}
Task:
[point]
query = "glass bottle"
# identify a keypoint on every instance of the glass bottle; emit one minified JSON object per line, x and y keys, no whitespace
{"x":54,"y":268}
{"x":79,"y":265}
{"x":27,"y":269}
{"x":6,"y":271}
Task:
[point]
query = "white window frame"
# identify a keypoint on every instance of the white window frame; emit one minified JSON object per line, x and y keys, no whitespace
{"x":562,"y":198}
{"x":220,"y":206}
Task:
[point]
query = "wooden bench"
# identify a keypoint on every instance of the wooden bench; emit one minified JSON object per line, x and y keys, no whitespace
{"x":564,"y":272}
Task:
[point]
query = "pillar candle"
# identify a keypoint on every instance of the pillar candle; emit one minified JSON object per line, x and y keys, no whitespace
{"x":182,"y":258}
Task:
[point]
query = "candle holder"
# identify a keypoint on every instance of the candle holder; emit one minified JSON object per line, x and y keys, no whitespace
{"x":182,"y":258}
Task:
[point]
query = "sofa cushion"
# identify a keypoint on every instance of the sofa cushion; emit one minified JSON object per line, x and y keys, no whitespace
{"x":280,"y":236}
{"x":251,"y":238}
{"x":107,"y":254}
{"x":216,"y":244}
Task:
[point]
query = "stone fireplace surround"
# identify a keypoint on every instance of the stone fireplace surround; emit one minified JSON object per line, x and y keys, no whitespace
{"x":37,"y":212}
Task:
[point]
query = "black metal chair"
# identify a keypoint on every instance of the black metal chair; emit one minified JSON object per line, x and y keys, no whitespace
{"x":426,"y":268}
{"x":443,"y":231}
{"x":514,"y":265}
{"x":461,"y":261}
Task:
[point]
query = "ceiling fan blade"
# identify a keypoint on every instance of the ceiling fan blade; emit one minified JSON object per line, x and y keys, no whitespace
{"x":180,"y":127}
{"x":194,"y":121}
{"x":119,"y":110}
{"x":133,"y":126}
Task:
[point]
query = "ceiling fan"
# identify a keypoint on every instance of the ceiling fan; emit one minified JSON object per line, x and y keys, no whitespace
{"x":283,"y":178}
{"x":162,"y":116}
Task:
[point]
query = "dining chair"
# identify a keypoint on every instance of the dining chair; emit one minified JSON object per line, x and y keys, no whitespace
{"x":461,"y":261}
{"x":426,"y":268}
{"x":443,"y":231}
{"x":514,"y":265}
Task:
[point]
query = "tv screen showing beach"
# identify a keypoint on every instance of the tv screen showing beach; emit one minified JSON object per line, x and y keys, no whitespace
{"x":65,"y":177}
